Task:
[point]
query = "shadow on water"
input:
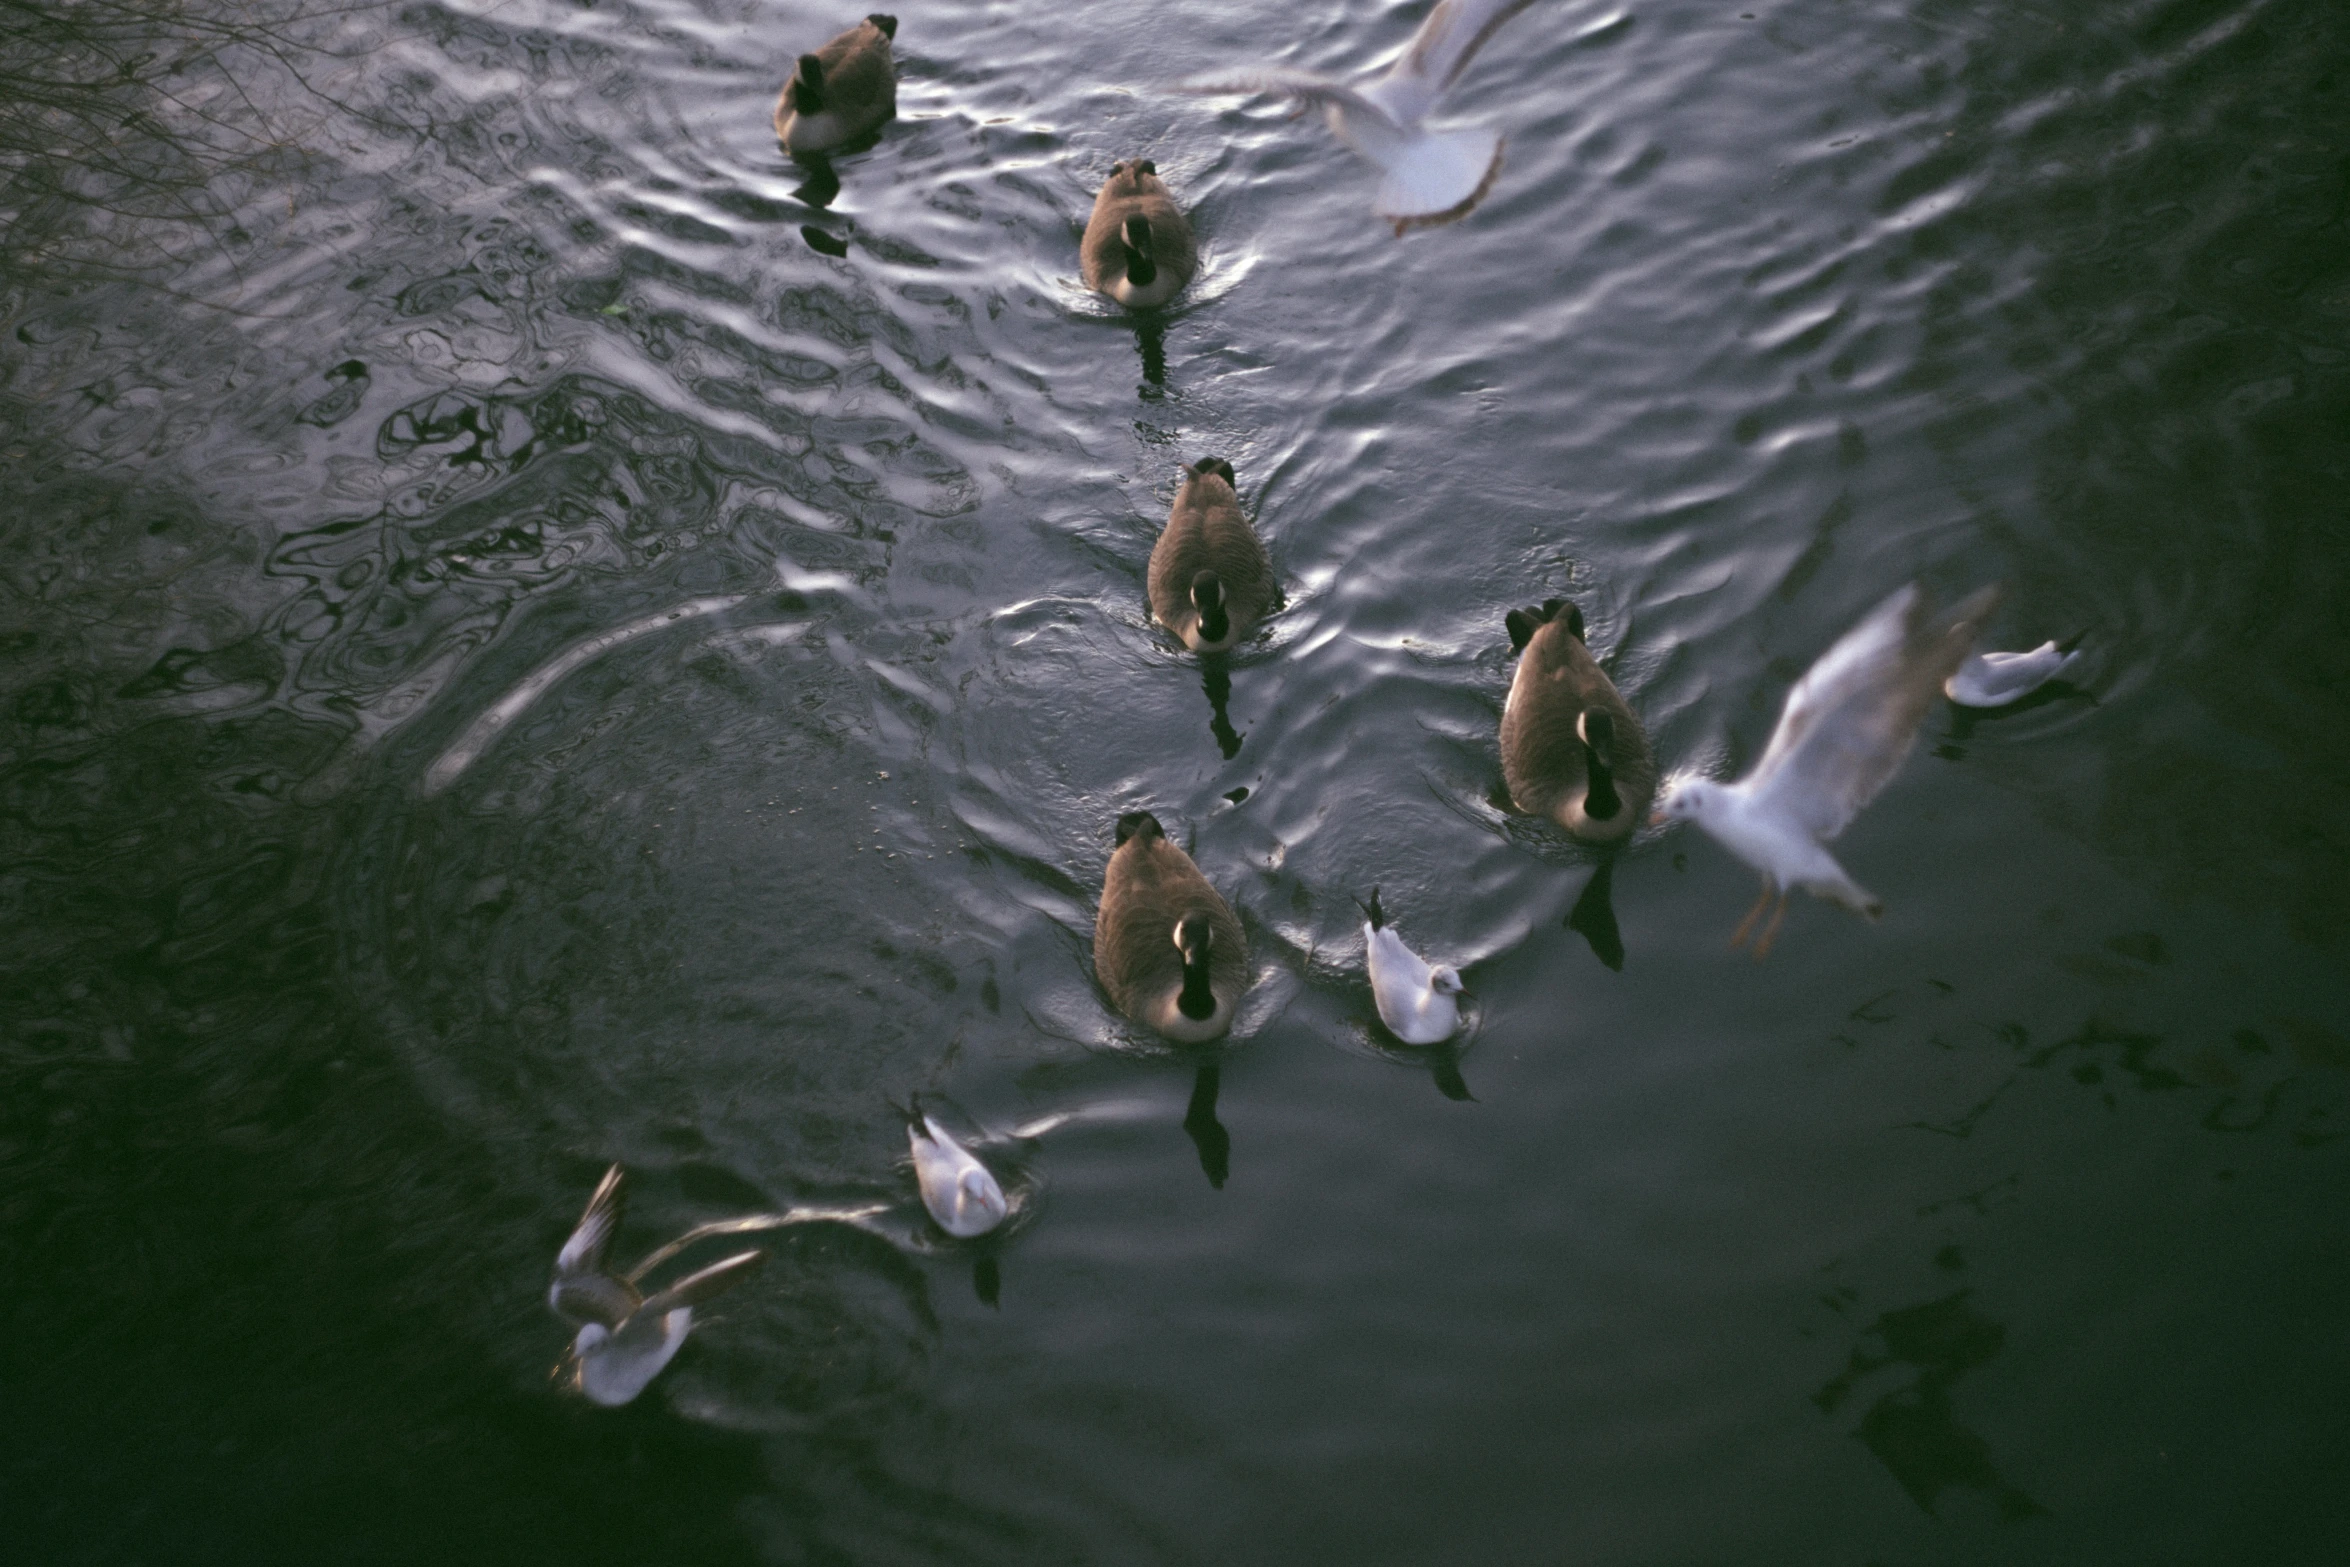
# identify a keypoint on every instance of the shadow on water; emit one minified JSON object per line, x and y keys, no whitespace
{"x":1150,"y":340}
{"x":1444,"y":1069}
{"x":1206,"y":1132}
{"x":987,"y":1278}
{"x":822,"y":186}
{"x":1913,"y":1430}
{"x":1215,"y":675}
{"x":1594,"y":916}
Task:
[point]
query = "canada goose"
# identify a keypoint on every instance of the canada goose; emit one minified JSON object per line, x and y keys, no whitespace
{"x":962,"y":1194}
{"x":1571,"y":749}
{"x":1209,"y":578}
{"x":1166,"y":948}
{"x":1137,"y":247}
{"x":1418,"y":1000}
{"x":1997,"y":679}
{"x":625,"y":1337}
{"x":1428,"y":177}
{"x":1841,"y":737}
{"x":842,"y":91}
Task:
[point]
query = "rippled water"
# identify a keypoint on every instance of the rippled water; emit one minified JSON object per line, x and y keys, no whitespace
{"x":515,"y":656}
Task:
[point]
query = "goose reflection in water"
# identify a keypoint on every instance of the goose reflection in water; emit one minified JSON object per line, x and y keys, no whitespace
{"x":1215,"y":677}
{"x":1150,"y":340}
{"x":1206,"y":1132}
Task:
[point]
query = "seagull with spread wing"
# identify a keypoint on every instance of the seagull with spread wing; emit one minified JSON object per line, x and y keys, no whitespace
{"x":1841,"y":737}
{"x":625,"y":1336}
{"x":1428,"y":176}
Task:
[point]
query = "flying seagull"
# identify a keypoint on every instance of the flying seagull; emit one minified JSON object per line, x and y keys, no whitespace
{"x":625,"y":1336}
{"x":1428,"y":176}
{"x":1996,"y":679}
{"x":1841,"y":737}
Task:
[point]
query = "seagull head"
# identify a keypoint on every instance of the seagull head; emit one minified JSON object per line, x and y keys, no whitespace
{"x":977,"y":1196}
{"x":1445,"y":980}
{"x":1689,"y":800}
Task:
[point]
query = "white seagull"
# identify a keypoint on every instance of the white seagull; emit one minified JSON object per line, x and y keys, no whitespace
{"x":1996,"y":679}
{"x":626,"y":1337}
{"x":962,"y":1194}
{"x":1416,"y":998}
{"x":1430,"y":177}
{"x":1841,"y":737}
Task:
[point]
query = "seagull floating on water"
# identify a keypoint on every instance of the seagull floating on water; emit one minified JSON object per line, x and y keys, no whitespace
{"x":962,"y":1194}
{"x":1416,"y":998}
{"x":1842,"y":735}
{"x":626,"y":1337}
{"x":1996,"y":679}
{"x":1429,"y":177}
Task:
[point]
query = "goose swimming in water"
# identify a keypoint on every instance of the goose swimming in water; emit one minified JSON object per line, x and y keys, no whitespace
{"x":962,"y":1194}
{"x":625,"y":1337}
{"x":1167,"y":949}
{"x":1427,"y":177}
{"x":842,"y":91}
{"x":1841,"y":737}
{"x":1210,"y":580}
{"x":1137,"y":247}
{"x":1571,"y":748}
{"x":1996,"y":679}
{"x":1418,"y":1001}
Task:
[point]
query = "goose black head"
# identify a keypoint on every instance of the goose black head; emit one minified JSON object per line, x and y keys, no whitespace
{"x":1207,"y":597}
{"x":1217,"y":466}
{"x":1139,"y":822}
{"x":1597,"y":730}
{"x":886,"y":22}
{"x":807,"y":86}
{"x":1195,"y":939}
{"x":1142,"y":268}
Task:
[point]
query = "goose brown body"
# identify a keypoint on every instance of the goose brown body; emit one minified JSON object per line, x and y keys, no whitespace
{"x":1113,"y":265}
{"x":1150,"y":889}
{"x":1206,"y":540}
{"x":853,"y":91}
{"x":1561,"y":708}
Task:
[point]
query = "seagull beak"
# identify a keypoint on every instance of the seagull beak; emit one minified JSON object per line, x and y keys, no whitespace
{"x":1656,"y":818}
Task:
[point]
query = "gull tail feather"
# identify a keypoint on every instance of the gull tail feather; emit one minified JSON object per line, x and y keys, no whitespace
{"x":1437,"y":176}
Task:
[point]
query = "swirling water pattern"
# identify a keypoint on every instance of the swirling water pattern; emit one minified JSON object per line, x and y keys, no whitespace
{"x":521,"y":658}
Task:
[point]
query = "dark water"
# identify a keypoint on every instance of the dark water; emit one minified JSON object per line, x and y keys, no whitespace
{"x":514,"y":657}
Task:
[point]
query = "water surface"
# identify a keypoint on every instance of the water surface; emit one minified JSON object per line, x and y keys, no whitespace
{"x":517,"y":657}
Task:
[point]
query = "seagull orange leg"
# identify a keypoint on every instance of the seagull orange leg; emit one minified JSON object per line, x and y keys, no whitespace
{"x":1762,"y":943}
{"x":1738,"y":936}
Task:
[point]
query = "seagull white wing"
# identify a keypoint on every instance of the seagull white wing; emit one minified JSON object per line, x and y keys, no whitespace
{"x":615,"y":1368}
{"x":1849,"y":721}
{"x":584,"y":1251}
{"x":1442,"y":49}
{"x":1304,"y":87}
{"x":705,"y":1284}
